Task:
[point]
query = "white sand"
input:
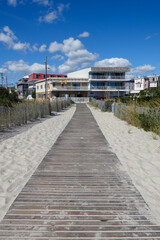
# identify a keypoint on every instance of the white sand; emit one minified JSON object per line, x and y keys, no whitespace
{"x":139,"y":154}
{"x":20,"y":155}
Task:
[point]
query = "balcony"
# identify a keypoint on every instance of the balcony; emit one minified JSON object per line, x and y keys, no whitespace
{"x":69,"y":88}
{"x":94,"y":77}
{"x":108,"y":88}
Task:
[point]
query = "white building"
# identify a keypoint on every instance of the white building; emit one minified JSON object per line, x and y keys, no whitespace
{"x":100,"y":82}
{"x":140,"y":84}
{"x":154,"y":81}
{"x":146,"y":82}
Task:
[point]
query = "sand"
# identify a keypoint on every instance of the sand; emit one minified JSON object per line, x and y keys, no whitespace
{"x":21,"y":154}
{"x":138,"y":152}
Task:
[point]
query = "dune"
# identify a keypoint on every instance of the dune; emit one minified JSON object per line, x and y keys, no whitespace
{"x":20,"y":155}
{"x":139,"y":154}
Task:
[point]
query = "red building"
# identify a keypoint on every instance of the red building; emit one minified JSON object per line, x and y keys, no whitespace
{"x":40,"y":76}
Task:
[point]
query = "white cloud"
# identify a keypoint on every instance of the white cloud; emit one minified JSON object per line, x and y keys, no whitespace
{"x":58,"y":56}
{"x":76,"y":53}
{"x":71,"y":44}
{"x":23,"y":67}
{"x":34,"y":47}
{"x":61,"y":7}
{"x":55,"y":47}
{"x":12,"y":2}
{"x":8,"y":38}
{"x":65,"y":68}
{"x":113,"y":62}
{"x":129,"y":75}
{"x":121,"y":62}
{"x":77,"y":59}
{"x":50,"y":17}
{"x":56,"y":14}
{"x":143,"y":69}
{"x":81,"y":54}
{"x":41,"y":2}
{"x":68,"y":45}
{"x":5,"y":39}
{"x":3,"y":70}
{"x":148,"y":37}
{"x":43,"y":48}
{"x":21,"y":46}
{"x":9,"y":32}
{"x":84,"y":35}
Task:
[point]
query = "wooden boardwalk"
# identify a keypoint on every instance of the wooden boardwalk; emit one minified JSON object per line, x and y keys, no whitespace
{"x":79,"y":191}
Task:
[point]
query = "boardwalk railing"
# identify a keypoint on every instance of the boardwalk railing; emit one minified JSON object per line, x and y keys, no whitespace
{"x":28,"y":111}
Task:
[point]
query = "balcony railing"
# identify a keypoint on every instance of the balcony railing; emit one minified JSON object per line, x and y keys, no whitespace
{"x":71,"y":88}
{"x":80,"y":99}
{"x":109,"y":87}
{"x":83,"y":88}
{"x":107,"y":77}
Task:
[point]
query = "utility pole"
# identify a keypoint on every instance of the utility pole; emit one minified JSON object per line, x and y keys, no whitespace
{"x":118,"y":93}
{"x":6,"y":83}
{"x":46,"y":85}
{"x":2,"y":79}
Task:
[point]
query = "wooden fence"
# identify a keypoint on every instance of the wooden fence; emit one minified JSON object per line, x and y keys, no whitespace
{"x":105,"y":106}
{"x":143,"y":117}
{"x":29,"y":111}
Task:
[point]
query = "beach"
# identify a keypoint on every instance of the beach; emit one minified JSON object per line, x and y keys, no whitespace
{"x":137,"y":150}
{"x":21,"y":154}
{"x":139,"y":154}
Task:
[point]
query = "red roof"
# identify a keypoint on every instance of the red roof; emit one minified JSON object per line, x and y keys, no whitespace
{"x":40,"y":76}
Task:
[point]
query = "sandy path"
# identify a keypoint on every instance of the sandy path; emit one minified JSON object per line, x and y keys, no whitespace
{"x":20,"y":155}
{"x":138,"y":152}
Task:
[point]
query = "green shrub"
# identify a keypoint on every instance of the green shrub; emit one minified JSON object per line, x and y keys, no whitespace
{"x":148,"y":122}
{"x":141,"y":117}
{"x":108,"y":106}
{"x":8,"y":99}
{"x":72,"y":102}
{"x":145,"y":121}
{"x":34,"y":94}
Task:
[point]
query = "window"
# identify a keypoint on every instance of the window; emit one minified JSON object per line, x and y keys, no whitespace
{"x":76,"y":85}
{"x":51,"y":75}
{"x":37,"y":75}
{"x":138,"y":85}
{"x":37,"y":87}
{"x":44,"y":75}
{"x":40,"y":95}
{"x":41,"y":86}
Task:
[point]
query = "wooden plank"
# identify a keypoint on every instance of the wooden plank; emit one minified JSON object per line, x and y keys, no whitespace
{"x":79,"y":191}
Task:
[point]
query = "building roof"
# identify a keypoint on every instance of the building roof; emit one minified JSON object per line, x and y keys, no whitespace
{"x":110,"y":69}
{"x":47,"y":74}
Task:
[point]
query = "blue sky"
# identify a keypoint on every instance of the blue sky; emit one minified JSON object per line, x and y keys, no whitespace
{"x":75,"y":34}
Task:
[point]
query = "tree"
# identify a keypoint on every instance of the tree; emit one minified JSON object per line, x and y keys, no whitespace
{"x":6,"y":98}
{"x":34,"y":94}
{"x":13,"y":96}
